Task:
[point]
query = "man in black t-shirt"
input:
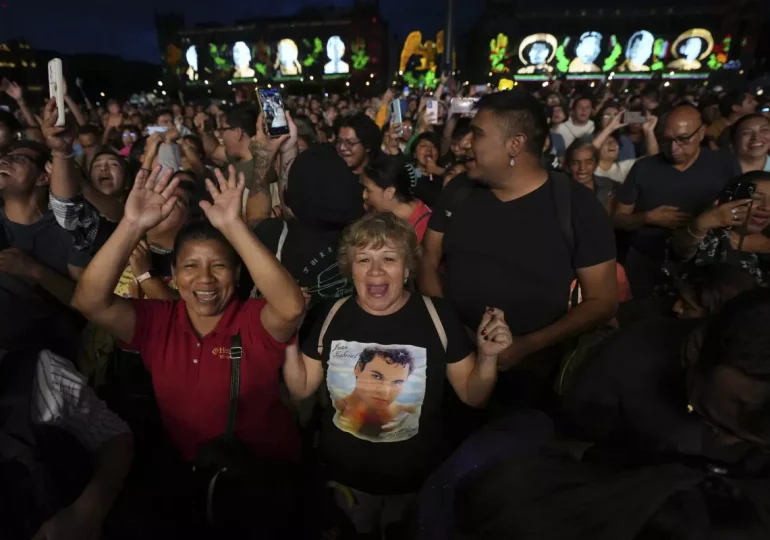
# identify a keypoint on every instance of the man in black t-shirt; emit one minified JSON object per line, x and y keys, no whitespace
{"x":663,"y":192}
{"x":504,"y":245}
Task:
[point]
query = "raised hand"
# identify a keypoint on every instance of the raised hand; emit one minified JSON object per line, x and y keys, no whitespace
{"x":290,"y":142}
{"x":650,"y":123}
{"x":227,"y":209}
{"x":58,"y":139}
{"x":725,"y":215}
{"x":151,"y":200}
{"x":273,"y":144}
{"x":493,"y":335}
{"x":13,"y":89}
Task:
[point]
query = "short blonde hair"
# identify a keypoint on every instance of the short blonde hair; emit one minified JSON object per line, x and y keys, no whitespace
{"x":376,"y":230}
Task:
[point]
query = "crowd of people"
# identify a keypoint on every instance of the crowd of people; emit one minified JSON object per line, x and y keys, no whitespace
{"x":546,"y":318}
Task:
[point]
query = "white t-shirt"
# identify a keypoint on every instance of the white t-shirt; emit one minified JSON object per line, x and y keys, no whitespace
{"x":570,"y":131}
{"x":618,"y":171}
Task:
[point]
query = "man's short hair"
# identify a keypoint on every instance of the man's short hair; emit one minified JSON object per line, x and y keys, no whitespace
{"x":89,"y":129}
{"x":651,"y":93}
{"x":580,"y":98}
{"x":518,"y":112}
{"x":164,"y":112}
{"x":732,"y":99}
{"x":579,"y":144}
{"x":402,"y":357}
{"x":44,"y":155}
{"x":243,"y":117}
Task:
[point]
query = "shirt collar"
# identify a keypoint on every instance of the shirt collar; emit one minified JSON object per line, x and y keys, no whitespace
{"x":227,"y":325}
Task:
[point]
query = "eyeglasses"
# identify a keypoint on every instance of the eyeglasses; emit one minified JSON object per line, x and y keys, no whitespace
{"x":682,"y":140}
{"x":129,"y":135}
{"x":347,"y":143}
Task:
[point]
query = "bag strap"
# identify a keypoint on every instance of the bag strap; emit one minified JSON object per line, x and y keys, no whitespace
{"x":436,"y":320}
{"x":282,"y":241}
{"x":419,"y":219}
{"x":332,"y":312}
{"x":236,"y":353}
{"x":561,"y":191}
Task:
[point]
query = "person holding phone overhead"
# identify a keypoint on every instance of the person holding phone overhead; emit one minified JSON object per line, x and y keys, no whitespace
{"x":611,"y":143}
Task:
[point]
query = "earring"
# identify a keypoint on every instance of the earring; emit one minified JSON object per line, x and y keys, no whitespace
{"x":406,"y":280}
{"x":512,"y":161}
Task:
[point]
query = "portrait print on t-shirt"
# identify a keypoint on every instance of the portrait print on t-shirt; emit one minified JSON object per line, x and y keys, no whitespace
{"x":377,"y":390}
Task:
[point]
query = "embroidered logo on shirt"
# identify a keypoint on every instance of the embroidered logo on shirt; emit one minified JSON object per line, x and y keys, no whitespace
{"x":221,"y":352}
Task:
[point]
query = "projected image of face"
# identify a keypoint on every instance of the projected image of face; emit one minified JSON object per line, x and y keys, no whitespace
{"x":335,"y":50}
{"x":287,"y":60}
{"x":192,"y":63}
{"x":640,"y":47}
{"x":538,"y":54}
{"x":691,"y":49}
{"x":242,"y":60}
{"x":589,"y":47}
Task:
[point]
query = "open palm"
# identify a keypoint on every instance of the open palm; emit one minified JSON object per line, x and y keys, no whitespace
{"x":228,"y":199}
{"x":151,"y":200}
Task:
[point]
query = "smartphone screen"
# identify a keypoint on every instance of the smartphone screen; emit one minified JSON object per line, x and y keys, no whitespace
{"x":431,"y":111}
{"x":274,"y":112}
{"x":395,"y":112}
{"x":634,"y":117}
{"x":156,"y":129}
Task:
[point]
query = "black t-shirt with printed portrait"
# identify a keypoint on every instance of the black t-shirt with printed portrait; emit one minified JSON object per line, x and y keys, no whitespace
{"x":514,"y":255}
{"x":382,"y":433}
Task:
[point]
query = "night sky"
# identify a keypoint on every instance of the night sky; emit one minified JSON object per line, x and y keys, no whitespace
{"x":127,"y":28}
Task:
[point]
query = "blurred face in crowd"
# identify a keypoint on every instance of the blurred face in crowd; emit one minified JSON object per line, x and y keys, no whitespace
{"x":407,"y":130}
{"x":375,"y":198}
{"x":90,"y":144}
{"x":759,"y":215}
{"x":231,"y":137}
{"x":461,"y":147}
{"x":687,"y":305}
{"x":752,"y":139}
{"x":425,"y":153}
{"x":649,"y":102}
{"x":206,"y":276}
{"x":108,"y":174}
{"x":710,"y":113}
{"x":682,"y":135}
{"x":113,"y":107}
{"x":21,"y":172}
{"x":165,"y":120}
{"x":330,"y":115}
{"x":378,"y":275}
{"x":351,"y":149}
{"x":558,"y":115}
{"x":315,"y":106}
{"x":177,"y":110}
{"x":582,"y":166}
{"x":189,"y":111}
{"x":128,"y":137}
{"x":553,"y":100}
{"x":581,"y":111}
{"x":609,"y":115}
{"x":371,"y":113}
{"x":609,"y":150}
{"x":748,"y":106}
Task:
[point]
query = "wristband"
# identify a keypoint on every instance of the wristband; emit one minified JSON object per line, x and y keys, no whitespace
{"x":61,"y":155}
{"x":142,"y":278}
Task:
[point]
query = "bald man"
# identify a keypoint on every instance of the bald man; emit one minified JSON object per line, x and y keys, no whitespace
{"x":663,"y":192}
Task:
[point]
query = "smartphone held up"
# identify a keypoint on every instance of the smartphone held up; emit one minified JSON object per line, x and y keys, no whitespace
{"x":56,"y":88}
{"x":273,"y":112}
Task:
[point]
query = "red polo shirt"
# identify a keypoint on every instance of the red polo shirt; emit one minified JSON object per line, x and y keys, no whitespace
{"x":191,"y":377}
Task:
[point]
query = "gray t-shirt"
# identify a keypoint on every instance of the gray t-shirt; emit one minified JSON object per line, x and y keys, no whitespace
{"x":45,"y":241}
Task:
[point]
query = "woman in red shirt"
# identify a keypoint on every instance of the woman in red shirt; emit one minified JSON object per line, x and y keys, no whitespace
{"x":387,"y":188}
{"x":186,"y":343}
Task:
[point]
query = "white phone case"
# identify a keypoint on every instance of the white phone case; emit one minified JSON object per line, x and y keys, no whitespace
{"x":395,"y":112}
{"x":56,"y":88}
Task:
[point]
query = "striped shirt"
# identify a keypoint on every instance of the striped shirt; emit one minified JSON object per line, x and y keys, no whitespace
{"x":62,"y":398}
{"x":77,"y":217}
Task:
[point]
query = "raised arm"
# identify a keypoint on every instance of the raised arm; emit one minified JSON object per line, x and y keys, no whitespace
{"x":285,"y":303}
{"x":74,"y":107}
{"x":211,"y":145}
{"x":428,"y":277}
{"x":17,"y":93}
{"x":649,"y":135}
{"x":264,"y":151}
{"x":686,"y":240}
{"x":67,"y":180}
{"x":612,"y":127}
{"x":474,"y":377}
{"x":149,"y":203}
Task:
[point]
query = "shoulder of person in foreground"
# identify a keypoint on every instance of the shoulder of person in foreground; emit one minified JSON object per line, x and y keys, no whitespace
{"x":594,"y":235}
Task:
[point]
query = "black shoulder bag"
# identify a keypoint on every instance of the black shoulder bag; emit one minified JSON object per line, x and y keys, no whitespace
{"x":238,"y":480}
